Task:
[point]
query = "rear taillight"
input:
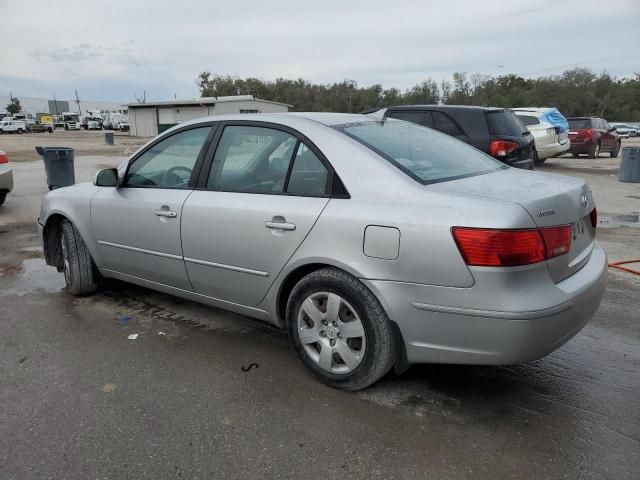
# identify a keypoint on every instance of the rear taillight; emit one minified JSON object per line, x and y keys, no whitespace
{"x":502,"y":148}
{"x":487,"y":247}
{"x":594,"y":217}
{"x":4,"y":158}
{"x":552,"y":131}
{"x":588,"y":133}
{"x":557,"y":240}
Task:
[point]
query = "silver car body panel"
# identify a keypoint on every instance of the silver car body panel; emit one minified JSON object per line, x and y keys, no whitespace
{"x":6,"y":178}
{"x":254,"y":253}
{"x":446,"y":311}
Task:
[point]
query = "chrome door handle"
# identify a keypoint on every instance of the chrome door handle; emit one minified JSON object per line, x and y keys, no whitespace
{"x":280,"y":225}
{"x":166,"y":213}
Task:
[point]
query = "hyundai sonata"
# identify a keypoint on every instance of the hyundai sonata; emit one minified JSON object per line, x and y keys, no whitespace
{"x":375,"y":243}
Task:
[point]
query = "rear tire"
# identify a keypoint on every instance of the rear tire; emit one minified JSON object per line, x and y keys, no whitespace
{"x":3,"y":197}
{"x":595,"y":151}
{"x":349,"y":344}
{"x":615,"y":153}
{"x":79,"y":272}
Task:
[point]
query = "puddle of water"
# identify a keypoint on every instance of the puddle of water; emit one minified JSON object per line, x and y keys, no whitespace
{"x":32,"y":276}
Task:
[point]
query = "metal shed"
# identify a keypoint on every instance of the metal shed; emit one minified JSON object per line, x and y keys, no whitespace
{"x":151,"y":118}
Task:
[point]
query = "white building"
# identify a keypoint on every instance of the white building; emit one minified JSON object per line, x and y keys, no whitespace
{"x":35,"y":105}
{"x":149,"y":119}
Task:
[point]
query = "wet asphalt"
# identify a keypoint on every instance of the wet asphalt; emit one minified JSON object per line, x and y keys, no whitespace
{"x":78,"y":399}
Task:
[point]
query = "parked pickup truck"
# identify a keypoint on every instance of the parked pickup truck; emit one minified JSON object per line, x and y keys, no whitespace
{"x":41,"y":127}
{"x":9,"y":125}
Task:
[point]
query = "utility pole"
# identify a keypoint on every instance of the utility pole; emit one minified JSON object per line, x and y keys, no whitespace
{"x":78,"y":102}
{"x":55,"y":103}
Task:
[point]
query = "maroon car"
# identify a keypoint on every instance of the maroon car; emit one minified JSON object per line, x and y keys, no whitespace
{"x":592,"y":135}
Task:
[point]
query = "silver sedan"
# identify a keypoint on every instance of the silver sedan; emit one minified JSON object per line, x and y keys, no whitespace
{"x":375,"y":244}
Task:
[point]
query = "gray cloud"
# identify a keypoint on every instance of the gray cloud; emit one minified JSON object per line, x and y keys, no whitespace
{"x":162,"y":46}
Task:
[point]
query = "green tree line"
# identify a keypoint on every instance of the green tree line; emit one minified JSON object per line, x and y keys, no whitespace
{"x":575,"y":92}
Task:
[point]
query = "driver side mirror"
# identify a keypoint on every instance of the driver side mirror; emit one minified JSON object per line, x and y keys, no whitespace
{"x":106,"y":178}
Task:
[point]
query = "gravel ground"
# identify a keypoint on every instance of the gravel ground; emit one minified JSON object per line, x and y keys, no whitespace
{"x":21,"y":148}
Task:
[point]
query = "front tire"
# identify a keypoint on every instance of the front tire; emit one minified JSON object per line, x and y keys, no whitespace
{"x":79,"y":272}
{"x":339,"y":330}
{"x":3,"y":197}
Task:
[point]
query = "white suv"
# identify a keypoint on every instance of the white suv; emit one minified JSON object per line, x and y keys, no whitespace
{"x":550,"y":140}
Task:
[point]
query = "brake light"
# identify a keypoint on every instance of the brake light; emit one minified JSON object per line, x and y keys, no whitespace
{"x":594,"y":217}
{"x":4,"y":158}
{"x":588,"y":133}
{"x":557,"y":240}
{"x":502,"y":148}
{"x":487,"y":247}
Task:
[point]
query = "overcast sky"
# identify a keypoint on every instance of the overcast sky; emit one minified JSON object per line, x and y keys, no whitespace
{"x":113,"y":50}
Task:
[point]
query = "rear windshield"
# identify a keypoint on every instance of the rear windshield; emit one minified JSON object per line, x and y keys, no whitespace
{"x":528,"y":120}
{"x":422,"y":153}
{"x":505,"y":122}
{"x":579,"y":122}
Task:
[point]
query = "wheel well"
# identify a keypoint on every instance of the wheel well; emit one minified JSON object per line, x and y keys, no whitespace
{"x":51,"y":240}
{"x":401,"y":362}
{"x":287,"y":286}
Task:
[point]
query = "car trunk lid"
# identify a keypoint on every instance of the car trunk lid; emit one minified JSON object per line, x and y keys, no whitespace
{"x":550,"y":200}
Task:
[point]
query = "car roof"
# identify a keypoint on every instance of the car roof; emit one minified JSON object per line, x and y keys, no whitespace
{"x":289,"y":118}
{"x":473,"y":108}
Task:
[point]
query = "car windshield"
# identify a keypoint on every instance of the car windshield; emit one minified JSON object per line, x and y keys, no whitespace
{"x":422,"y":153}
{"x":579,"y":122}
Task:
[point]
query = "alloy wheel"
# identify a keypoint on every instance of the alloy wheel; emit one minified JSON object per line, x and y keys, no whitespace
{"x":331,"y":332}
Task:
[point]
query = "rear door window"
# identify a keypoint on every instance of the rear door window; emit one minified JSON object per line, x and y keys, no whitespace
{"x":505,"y":122}
{"x":421,"y":118}
{"x":252,"y":159}
{"x":528,"y":120}
{"x":308,"y":174}
{"x":446,"y":124}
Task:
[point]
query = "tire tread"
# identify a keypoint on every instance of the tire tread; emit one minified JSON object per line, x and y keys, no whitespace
{"x":80,"y":262}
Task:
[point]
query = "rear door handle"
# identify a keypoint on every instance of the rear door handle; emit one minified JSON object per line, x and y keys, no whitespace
{"x":280,"y":225}
{"x":166,"y":213}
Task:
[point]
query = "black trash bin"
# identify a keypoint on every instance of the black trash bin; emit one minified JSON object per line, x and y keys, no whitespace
{"x":108,"y":138}
{"x":58,"y":165}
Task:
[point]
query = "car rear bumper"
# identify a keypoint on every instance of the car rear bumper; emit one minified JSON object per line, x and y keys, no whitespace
{"x":534,"y":325}
{"x":6,"y":179}
{"x":552,"y":149}
{"x":581,"y":147}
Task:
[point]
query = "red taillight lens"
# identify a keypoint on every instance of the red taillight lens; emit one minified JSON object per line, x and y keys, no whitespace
{"x":594,"y":217}
{"x":486,"y":247}
{"x":557,"y":240}
{"x":4,"y":158}
{"x":588,"y":133}
{"x":502,"y":148}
